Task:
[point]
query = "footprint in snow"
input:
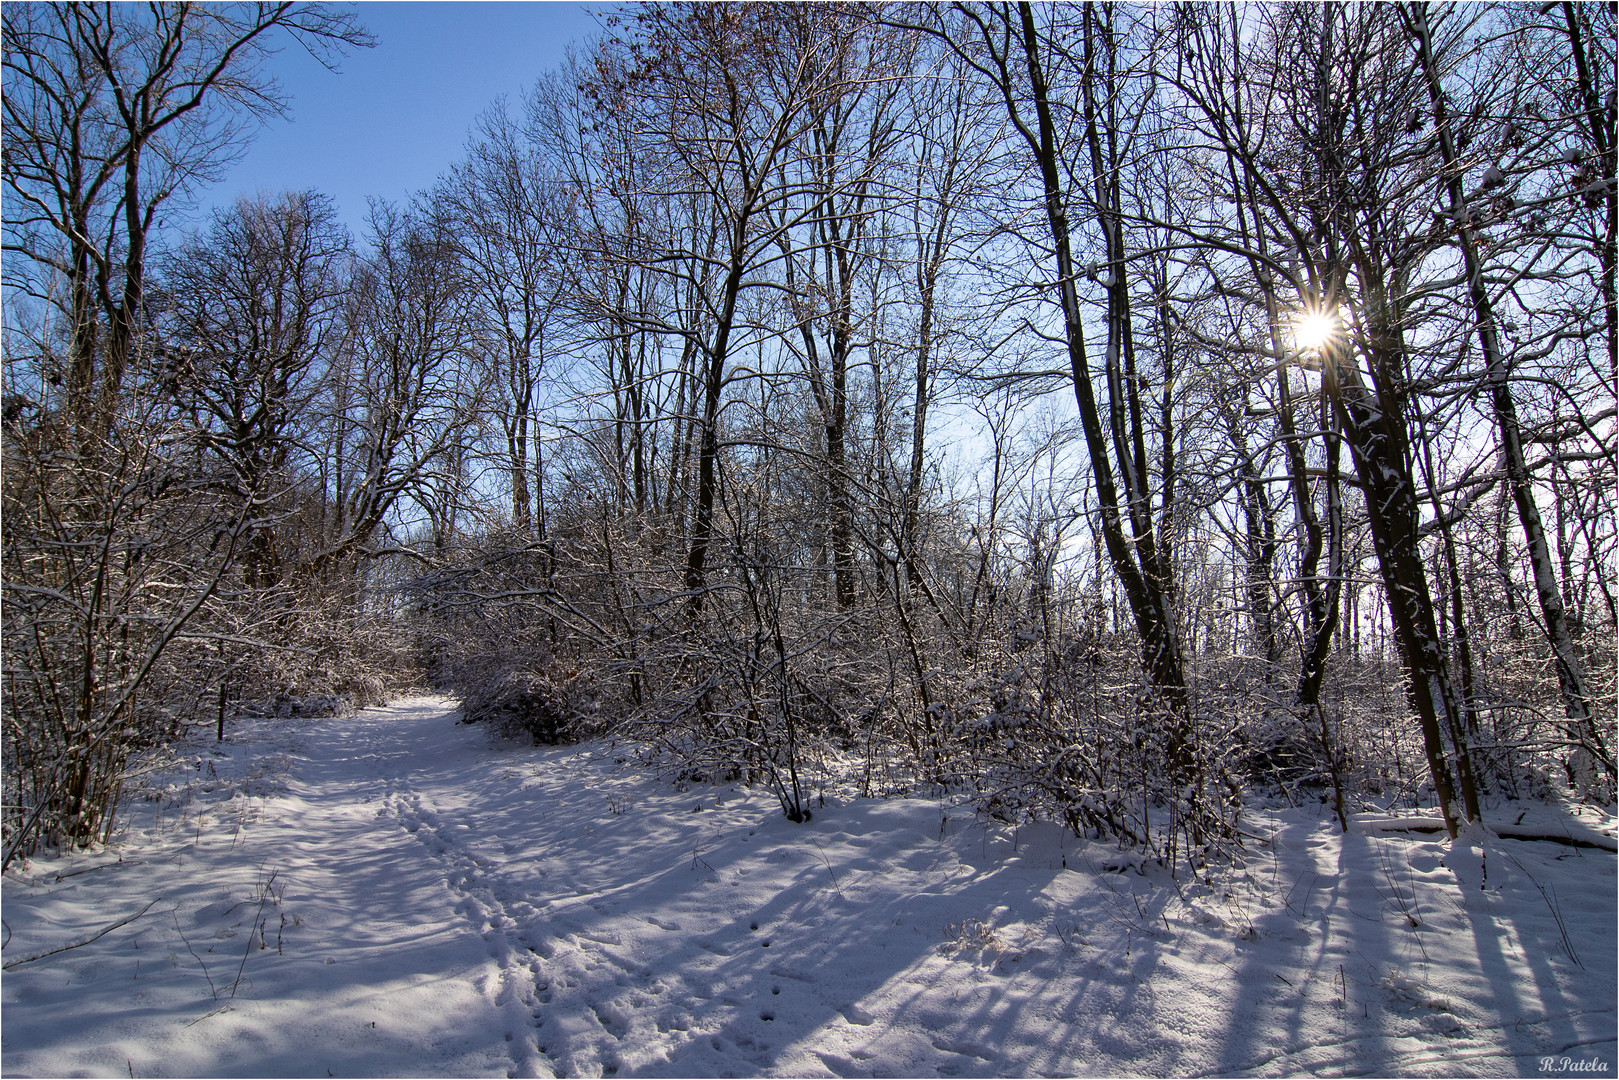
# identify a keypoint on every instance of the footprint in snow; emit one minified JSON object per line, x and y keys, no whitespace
{"x":856,"y":1015}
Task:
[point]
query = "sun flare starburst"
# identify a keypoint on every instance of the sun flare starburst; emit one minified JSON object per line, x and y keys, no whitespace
{"x":1313,"y":329}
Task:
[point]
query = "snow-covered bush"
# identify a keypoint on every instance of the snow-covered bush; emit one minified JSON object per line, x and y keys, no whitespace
{"x":482,"y":634}
{"x":1074,"y":735}
{"x":534,"y":695}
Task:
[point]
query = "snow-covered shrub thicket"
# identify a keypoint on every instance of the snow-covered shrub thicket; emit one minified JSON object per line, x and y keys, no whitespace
{"x":484,"y":635}
{"x":111,"y":547}
{"x":524,"y":691}
{"x":127,"y":620}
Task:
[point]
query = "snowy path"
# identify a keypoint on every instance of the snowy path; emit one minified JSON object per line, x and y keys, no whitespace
{"x":401,"y":899}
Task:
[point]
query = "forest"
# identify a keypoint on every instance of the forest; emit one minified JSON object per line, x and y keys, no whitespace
{"x":1104,"y":413}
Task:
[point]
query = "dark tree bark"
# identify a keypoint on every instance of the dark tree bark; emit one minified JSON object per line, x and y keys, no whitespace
{"x":1135,"y":559}
{"x":1591,"y":749}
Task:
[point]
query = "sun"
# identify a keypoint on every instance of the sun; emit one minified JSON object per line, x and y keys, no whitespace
{"x":1313,"y":329}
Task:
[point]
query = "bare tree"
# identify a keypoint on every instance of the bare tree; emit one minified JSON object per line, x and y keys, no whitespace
{"x":110,"y":551}
{"x":397,"y":401}
{"x":830,"y":244}
{"x":116,"y":536}
{"x":504,"y":208}
{"x":110,"y":111}
{"x":1591,"y":749}
{"x":1352,"y":248}
{"x":946,"y":156}
{"x":723,"y":96}
{"x":1072,"y":143}
{"x":255,"y":328}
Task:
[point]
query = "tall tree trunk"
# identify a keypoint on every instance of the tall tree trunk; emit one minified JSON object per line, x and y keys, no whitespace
{"x":1321,"y":595}
{"x":1145,"y":584}
{"x":708,"y":449}
{"x":1599,"y":127}
{"x":910,"y":541}
{"x":1591,"y":749}
{"x":517,"y":458}
{"x":1373,"y":425}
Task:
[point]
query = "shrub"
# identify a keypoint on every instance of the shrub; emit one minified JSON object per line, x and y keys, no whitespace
{"x":535,"y":696}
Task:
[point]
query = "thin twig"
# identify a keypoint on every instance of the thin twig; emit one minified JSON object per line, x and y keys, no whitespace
{"x":829,"y":870}
{"x":251,"y":930}
{"x":91,"y":869}
{"x":1555,"y":908}
{"x":216,"y":1012}
{"x":214,"y":989}
{"x":64,"y":948}
{"x":263,"y":896}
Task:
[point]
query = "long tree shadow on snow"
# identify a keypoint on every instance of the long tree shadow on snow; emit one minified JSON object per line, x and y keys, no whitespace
{"x":663,"y":941}
{"x":1403,"y":973}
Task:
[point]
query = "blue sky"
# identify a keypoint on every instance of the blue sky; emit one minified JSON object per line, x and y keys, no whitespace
{"x":398,"y":114}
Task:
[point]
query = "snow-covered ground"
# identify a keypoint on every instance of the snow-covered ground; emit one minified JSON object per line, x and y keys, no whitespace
{"x":387,"y":894}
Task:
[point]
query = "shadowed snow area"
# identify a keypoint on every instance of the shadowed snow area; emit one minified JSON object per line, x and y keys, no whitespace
{"x":388,"y":894}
